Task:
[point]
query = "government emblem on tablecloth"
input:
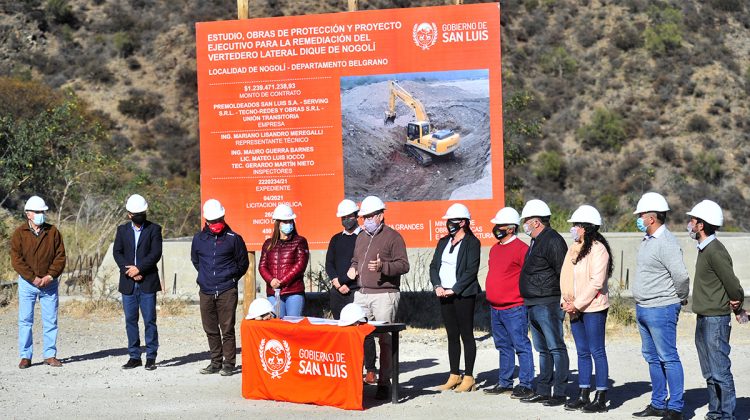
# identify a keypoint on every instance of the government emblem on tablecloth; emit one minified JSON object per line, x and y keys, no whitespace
{"x":424,"y":35}
{"x":275,"y":357}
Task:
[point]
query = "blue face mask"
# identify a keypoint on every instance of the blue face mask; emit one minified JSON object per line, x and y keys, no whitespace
{"x":38,"y":219}
{"x":286,"y":228}
{"x":640,"y":225}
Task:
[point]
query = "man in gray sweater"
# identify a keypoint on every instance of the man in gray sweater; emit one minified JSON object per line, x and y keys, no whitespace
{"x":660,"y":288}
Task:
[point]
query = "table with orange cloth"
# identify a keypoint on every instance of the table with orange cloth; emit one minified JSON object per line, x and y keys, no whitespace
{"x":303,"y":362}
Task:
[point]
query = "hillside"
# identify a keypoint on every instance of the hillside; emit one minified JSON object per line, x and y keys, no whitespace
{"x":603,"y":100}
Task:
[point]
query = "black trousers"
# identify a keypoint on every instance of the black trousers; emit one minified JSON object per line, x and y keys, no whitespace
{"x":218,"y":315}
{"x":338,"y":301}
{"x":458,"y":317}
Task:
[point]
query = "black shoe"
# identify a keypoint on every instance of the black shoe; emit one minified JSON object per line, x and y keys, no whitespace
{"x":227,"y":371}
{"x":651,"y":411}
{"x":555,"y":401}
{"x":497,"y":390}
{"x":580,"y":402}
{"x":521,"y":392}
{"x":132,"y":363}
{"x":210,"y":369}
{"x":535,"y":398}
{"x":599,"y":405}
{"x":150,"y":364}
{"x":672,"y":415}
{"x":383,"y":392}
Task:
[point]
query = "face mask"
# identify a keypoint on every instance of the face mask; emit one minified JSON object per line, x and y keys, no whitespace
{"x":574,"y":234}
{"x":371,"y":226}
{"x":527,"y":229}
{"x":453,"y":227}
{"x":138,"y":219}
{"x":217,"y":227}
{"x":349,"y":223}
{"x":286,"y":228}
{"x":640,"y":225}
{"x":38,"y":219}
{"x":690,"y":227}
{"x":499,"y":233}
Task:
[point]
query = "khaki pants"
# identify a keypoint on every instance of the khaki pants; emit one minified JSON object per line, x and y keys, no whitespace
{"x":381,"y":307}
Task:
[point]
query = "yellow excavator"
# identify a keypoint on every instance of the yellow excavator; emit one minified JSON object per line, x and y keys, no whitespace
{"x":421,"y":141}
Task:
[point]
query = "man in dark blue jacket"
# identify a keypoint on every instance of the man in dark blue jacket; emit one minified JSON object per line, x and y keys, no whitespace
{"x":220,"y":256}
{"x":540,"y":288}
{"x":137,"y":250}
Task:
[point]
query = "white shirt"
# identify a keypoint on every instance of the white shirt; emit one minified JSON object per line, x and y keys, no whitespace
{"x":448,"y":265}
{"x":705,"y":242}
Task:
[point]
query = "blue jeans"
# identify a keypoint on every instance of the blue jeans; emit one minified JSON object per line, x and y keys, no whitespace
{"x":147,"y":304}
{"x":291,"y":305}
{"x":712,"y":342}
{"x":588,"y":333}
{"x":48,"y":299}
{"x":510,"y":330}
{"x":546,"y":322}
{"x":658,"y":328}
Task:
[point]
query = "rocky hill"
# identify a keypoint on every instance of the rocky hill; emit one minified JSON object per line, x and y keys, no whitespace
{"x":603,"y":99}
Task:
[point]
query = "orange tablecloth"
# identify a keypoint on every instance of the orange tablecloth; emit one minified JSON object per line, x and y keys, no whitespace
{"x":303,"y":363}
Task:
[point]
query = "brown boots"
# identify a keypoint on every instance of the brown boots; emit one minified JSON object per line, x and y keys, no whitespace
{"x":453,"y":381}
{"x":467,"y":384}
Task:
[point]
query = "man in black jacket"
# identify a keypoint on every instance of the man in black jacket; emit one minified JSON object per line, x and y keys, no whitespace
{"x":220,"y":256}
{"x":137,"y":250}
{"x":540,"y":289}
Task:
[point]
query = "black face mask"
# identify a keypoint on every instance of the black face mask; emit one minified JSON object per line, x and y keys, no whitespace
{"x":499,"y":233}
{"x":453,"y":227}
{"x":349,"y":223}
{"x":138,"y":218}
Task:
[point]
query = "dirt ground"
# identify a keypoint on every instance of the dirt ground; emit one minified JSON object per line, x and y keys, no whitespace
{"x":461,"y":105}
{"x":92,"y":385}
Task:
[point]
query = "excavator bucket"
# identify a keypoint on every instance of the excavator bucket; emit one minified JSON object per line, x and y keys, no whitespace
{"x":389,"y":119}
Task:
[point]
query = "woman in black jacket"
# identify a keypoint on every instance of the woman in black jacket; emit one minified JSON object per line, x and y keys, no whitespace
{"x":453,"y":274}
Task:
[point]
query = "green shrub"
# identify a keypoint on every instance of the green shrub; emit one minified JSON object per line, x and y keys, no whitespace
{"x":727,"y":5}
{"x":61,"y":12}
{"x":550,"y":166}
{"x":665,"y":31}
{"x":698,"y":124}
{"x":626,"y":37}
{"x":125,"y":44}
{"x":605,"y":132}
{"x":708,"y":167}
{"x":141,"y":105}
{"x":558,"y":62}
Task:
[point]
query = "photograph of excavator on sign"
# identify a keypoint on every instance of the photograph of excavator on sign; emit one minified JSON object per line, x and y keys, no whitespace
{"x":417,"y":136}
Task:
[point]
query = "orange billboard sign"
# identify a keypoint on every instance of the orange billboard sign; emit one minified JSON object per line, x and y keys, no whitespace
{"x":404,"y":104}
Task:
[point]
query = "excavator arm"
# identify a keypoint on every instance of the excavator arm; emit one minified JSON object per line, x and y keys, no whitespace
{"x":397,"y":92}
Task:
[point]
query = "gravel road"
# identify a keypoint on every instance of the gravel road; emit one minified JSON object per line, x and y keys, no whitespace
{"x":92,"y":385}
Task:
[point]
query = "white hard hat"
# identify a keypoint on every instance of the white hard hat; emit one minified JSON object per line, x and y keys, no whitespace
{"x":709,"y":212}
{"x":352,"y":313}
{"x":346,"y":207}
{"x":212,"y":209}
{"x":507,"y":216}
{"x":283,"y":212}
{"x":586,"y":214}
{"x":35,"y":203}
{"x":370,"y":205}
{"x":535,"y":208}
{"x":457,"y":211}
{"x":258,"y":308}
{"x":136,"y":204}
{"x":651,"y":201}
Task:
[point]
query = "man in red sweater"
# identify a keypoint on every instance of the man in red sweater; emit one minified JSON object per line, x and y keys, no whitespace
{"x":510,"y":325}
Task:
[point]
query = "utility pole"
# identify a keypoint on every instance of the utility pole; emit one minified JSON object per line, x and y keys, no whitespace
{"x":249,"y":284}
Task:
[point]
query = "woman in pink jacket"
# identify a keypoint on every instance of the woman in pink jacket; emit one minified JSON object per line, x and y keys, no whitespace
{"x":583,"y":283}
